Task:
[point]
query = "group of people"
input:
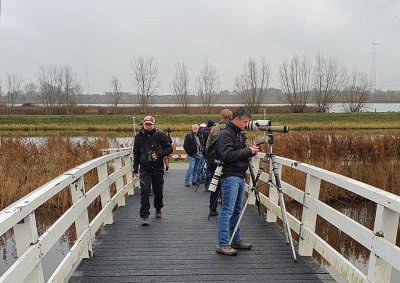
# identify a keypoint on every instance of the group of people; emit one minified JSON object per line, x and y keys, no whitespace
{"x":152,"y":145}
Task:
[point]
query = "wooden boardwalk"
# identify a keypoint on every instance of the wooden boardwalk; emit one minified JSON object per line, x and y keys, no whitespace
{"x":180,"y":246}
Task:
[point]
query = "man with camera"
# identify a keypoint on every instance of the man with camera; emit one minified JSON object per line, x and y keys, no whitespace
{"x":148,"y":151}
{"x":235,"y":155}
{"x":225,"y":115}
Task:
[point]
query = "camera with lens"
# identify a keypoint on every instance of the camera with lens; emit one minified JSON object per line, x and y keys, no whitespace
{"x":217,"y":175}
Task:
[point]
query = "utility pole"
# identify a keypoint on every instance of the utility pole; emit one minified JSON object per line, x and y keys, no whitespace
{"x":373,"y":68}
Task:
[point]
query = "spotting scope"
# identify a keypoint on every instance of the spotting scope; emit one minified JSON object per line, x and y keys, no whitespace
{"x":265,"y":125}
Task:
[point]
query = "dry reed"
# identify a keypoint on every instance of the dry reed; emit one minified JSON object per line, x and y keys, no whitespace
{"x":25,"y":166}
{"x":372,"y":159}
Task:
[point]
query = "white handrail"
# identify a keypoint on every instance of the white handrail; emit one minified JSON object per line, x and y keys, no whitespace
{"x":384,"y":254}
{"x":20,"y":216}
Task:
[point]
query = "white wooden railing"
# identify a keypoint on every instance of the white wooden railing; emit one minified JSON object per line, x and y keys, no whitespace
{"x":384,"y":254}
{"x":20,"y":216}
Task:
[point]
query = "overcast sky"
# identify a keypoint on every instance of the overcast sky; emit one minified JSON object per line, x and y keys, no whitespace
{"x":99,"y":38}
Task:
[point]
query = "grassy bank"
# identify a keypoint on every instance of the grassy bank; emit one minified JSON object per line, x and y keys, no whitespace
{"x":296,"y":121}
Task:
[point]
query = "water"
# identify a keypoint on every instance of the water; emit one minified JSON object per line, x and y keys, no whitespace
{"x":336,"y":108}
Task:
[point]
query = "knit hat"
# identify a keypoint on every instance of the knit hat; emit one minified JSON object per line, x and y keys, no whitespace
{"x":210,"y":123}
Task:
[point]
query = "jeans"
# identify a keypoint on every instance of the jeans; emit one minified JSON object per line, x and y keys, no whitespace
{"x":194,"y":164}
{"x":201,"y":167}
{"x":232,"y":188}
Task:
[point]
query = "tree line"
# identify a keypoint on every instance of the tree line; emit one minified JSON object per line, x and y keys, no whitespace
{"x":322,"y":80}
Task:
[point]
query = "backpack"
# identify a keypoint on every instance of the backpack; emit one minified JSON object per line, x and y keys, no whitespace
{"x":212,"y":155}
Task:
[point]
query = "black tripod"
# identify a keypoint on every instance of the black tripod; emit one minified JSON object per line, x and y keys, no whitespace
{"x":202,"y":177}
{"x":273,"y":169}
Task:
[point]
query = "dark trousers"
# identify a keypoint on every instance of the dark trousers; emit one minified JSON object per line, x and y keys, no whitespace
{"x":146,"y":181}
{"x":214,"y":198}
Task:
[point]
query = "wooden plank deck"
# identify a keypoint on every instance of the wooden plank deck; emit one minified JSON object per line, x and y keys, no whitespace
{"x":180,"y":246}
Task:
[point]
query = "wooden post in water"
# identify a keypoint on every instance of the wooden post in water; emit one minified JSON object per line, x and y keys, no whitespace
{"x":105,"y":195}
{"x":25,"y":234}
{"x":309,"y":217}
{"x":386,"y":224}
{"x":82,"y":222}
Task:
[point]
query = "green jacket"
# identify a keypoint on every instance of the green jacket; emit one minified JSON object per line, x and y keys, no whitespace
{"x":214,"y":132}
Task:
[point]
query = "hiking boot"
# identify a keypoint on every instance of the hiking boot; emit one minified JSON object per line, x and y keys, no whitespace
{"x":145,"y":221}
{"x":241,"y":245}
{"x":226,"y":250}
{"x":187,"y":184}
{"x":158,"y":213}
{"x":214,"y":213}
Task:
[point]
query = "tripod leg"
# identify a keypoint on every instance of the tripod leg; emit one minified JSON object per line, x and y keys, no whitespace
{"x":198,"y":185}
{"x":286,"y":226}
{"x":215,"y":203}
{"x":240,"y":218}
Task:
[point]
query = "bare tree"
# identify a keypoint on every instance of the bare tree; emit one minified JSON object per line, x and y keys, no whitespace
{"x":58,"y":87}
{"x":48,"y":90}
{"x":70,"y":88}
{"x":115,"y":95}
{"x":13,"y":87}
{"x":356,"y":92}
{"x":145,"y":80}
{"x":207,"y":86}
{"x":295,"y":82}
{"x":31,"y":90}
{"x":329,"y":78}
{"x":180,"y":86}
{"x":252,"y":84}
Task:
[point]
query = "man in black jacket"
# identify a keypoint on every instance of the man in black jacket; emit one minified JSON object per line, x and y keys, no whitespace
{"x":235,"y":154}
{"x":193,"y":145}
{"x":148,"y":151}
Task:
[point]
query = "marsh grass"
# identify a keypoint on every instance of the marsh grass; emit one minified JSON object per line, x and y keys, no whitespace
{"x":372,"y":159}
{"x":25,"y":166}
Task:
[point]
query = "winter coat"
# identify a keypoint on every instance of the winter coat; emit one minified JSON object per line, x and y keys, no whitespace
{"x":143,"y":148}
{"x":233,"y":151}
{"x":190,"y":145}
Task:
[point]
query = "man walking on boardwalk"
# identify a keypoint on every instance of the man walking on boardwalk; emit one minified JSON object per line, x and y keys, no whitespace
{"x":235,"y":154}
{"x":148,"y":151}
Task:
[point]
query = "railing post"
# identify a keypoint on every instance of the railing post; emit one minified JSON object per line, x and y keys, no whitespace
{"x":25,"y":234}
{"x":255,"y":162}
{"x":309,"y":217}
{"x":273,"y":193}
{"x":128,"y":162}
{"x":119,"y":183}
{"x":105,"y":195}
{"x":386,"y":224}
{"x":82,"y":222}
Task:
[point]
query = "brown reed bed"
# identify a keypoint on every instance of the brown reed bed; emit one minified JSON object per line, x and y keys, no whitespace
{"x":25,"y":166}
{"x":372,"y":159}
